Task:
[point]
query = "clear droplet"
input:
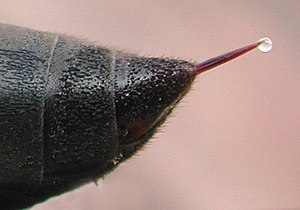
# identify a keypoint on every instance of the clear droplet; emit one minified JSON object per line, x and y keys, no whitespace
{"x":266,"y":45}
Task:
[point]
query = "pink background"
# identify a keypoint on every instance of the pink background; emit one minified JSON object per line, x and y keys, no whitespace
{"x":234,"y":141}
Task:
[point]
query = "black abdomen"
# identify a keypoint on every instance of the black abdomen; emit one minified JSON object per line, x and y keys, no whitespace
{"x":50,"y":86}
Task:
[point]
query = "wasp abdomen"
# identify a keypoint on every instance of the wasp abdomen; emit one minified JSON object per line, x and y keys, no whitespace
{"x":71,"y":111}
{"x":57,"y":112}
{"x":24,"y":56}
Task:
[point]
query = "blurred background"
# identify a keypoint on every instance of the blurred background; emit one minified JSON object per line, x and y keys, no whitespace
{"x":234,"y":141}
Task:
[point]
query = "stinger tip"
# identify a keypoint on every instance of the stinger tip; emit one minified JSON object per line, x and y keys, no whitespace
{"x":264,"y":45}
